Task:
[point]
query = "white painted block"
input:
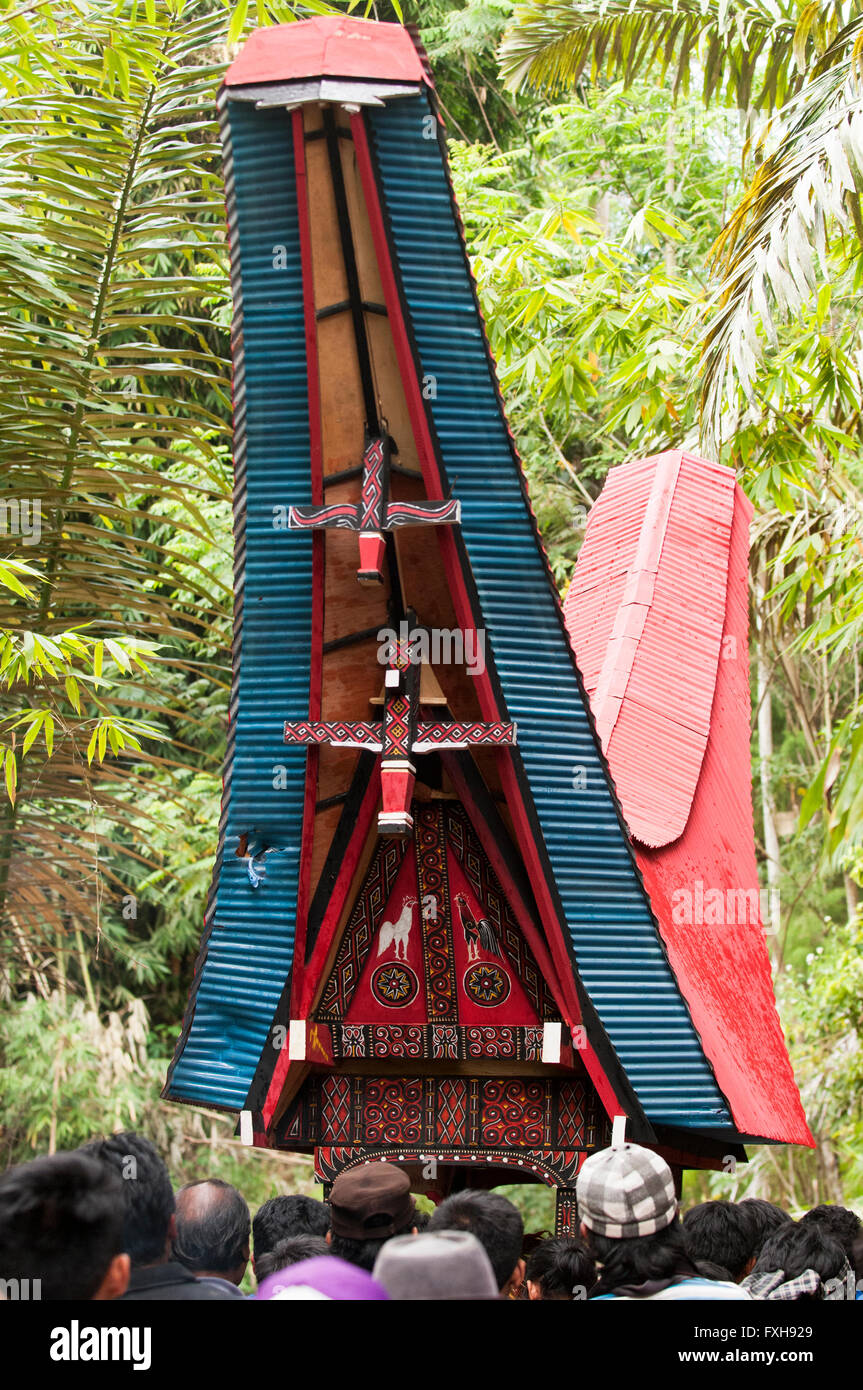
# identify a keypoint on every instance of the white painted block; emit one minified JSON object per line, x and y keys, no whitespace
{"x":297,"y":1040}
{"x":551,"y":1043}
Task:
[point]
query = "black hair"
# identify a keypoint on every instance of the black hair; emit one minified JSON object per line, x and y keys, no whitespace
{"x":636,"y":1260}
{"x":363,"y":1253}
{"x":722,"y":1232}
{"x":290,"y":1251}
{"x":147,"y":1193}
{"x":802,"y":1245}
{"x":766,"y":1217}
{"x":708,"y":1270}
{"x":281,"y":1217}
{"x":560,"y":1266}
{"x":495,"y":1222}
{"x":215,"y":1235}
{"x":841,"y":1223}
{"x":61,"y":1222}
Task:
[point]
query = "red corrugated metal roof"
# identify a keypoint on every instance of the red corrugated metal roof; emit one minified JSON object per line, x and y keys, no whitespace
{"x":327,"y":46}
{"x":649,"y":661}
{"x":682,"y":732}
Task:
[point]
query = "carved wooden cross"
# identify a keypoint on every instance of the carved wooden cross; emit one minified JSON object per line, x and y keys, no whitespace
{"x":397,"y":736}
{"x":374,"y":513}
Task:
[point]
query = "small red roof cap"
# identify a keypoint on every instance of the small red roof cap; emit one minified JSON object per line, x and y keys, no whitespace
{"x":327,"y":46}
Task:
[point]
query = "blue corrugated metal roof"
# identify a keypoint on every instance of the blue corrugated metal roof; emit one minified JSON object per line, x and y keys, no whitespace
{"x":619,"y":955}
{"x":249,"y":949}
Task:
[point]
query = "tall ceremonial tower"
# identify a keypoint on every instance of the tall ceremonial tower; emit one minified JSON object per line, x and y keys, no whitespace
{"x":437,"y":935}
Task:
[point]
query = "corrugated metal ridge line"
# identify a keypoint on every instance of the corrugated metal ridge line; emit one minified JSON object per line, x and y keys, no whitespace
{"x":247,"y":951}
{"x":595,"y":873}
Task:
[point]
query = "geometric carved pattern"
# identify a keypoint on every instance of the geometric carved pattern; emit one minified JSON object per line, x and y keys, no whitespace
{"x":482,"y":1112}
{"x":335,"y":1108}
{"x":392,"y":1110}
{"x":485,"y":885}
{"x":394,"y":985}
{"x":452,"y":1111}
{"x":447,"y":1042}
{"x":557,"y":1167}
{"x":566,"y":1216}
{"x":515,"y":1113}
{"x":430,"y":848}
{"x":398,"y":1040}
{"x":570,"y":1114}
{"x":360,"y":931}
{"x":486,"y":984}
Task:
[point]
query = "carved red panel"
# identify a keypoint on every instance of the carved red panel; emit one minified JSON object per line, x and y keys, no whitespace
{"x":335,"y":1104}
{"x":514,"y":1112}
{"x":452,"y":1113}
{"x":364,"y":921}
{"x":430,"y":847}
{"x":392,"y":1110}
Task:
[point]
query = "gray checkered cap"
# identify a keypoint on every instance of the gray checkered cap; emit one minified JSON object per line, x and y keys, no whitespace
{"x":626,"y":1192}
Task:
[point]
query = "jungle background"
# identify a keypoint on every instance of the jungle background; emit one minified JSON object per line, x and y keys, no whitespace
{"x":661,"y":204}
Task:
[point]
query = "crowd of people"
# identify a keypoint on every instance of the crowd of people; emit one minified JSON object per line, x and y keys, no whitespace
{"x":104,"y":1222}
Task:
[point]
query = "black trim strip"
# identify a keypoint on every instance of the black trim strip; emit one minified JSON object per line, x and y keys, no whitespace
{"x":351,"y":272}
{"x":350,"y":639}
{"x":343,"y":130}
{"x":330,"y":309}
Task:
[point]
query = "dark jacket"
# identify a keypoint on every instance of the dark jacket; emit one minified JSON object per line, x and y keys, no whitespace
{"x":171,"y":1282}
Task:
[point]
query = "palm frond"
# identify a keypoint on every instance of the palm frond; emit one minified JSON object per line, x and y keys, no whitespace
{"x":112,"y":375}
{"x":767,"y":252}
{"x":751,"y":54}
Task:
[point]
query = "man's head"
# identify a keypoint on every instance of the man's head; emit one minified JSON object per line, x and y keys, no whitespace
{"x":212,"y":1229}
{"x":148,"y":1197}
{"x":61,"y":1222}
{"x":283,"y":1217}
{"x":841,"y":1223}
{"x":766,"y":1217}
{"x":560,"y":1269}
{"x":437,"y":1265}
{"x":626,"y":1192}
{"x":367,"y":1206}
{"x":797,"y":1247}
{"x":497,"y":1225}
{"x":629,"y":1216}
{"x":724,"y":1233}
{"x":291,"y":1251}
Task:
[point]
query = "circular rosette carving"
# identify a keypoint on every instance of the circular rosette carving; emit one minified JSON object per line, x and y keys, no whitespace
{"x":486,"y":984}
{"x":513,"y":1113}
{"x":394,"y":985}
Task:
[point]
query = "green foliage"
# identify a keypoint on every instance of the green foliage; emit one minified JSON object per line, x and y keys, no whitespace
{"x":751,"y":53}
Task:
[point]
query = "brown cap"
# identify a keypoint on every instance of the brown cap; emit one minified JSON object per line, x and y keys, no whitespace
{"x":371,"y":1202}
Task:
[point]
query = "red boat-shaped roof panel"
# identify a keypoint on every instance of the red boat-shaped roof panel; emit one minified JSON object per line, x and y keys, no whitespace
{"x":648,"y":603}
{"x":658,"y":616}
{"x":309,"y":48}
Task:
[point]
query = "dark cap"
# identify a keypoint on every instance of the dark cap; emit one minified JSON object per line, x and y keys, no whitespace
{"x":371,"y":1202}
